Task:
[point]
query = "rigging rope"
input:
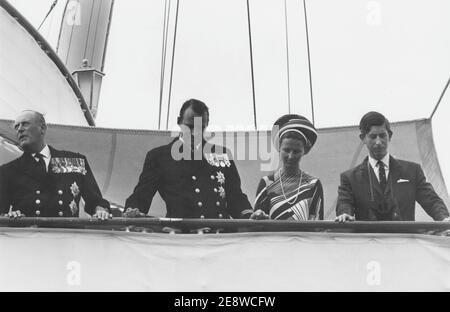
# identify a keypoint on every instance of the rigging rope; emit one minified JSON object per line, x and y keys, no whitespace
{"x":50,"y":26}
{"x":309,"y":62}
{"x":48,"y":13}
{"x":173,"y":61}
{"x":251,"y":64}
{"x":89,"y":32}
{"x":96,"y":31}
{"x":71,"y":32}
{"x":440,"y":99}
{"x":287,"y":56}
{"x":163,"y":58}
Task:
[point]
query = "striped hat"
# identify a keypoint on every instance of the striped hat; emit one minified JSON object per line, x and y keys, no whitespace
{"x":294,"y":123}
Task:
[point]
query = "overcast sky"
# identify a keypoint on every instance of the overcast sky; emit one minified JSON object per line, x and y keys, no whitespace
{"x":390,"y":56}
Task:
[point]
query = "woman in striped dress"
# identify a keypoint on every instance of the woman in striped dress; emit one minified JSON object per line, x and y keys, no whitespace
{"x":289,"y":193}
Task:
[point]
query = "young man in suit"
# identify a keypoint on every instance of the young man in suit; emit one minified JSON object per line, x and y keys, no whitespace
{"x":384,"y":188}
{"x":196,"y":179}
{"x":45,"y":182}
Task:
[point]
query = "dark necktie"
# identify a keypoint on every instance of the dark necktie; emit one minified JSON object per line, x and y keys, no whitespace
{"x":382,"y":175}
{"x":41,"y":163}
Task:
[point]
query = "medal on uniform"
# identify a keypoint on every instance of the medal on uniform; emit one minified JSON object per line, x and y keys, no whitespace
{"x":220,"y":177}
{"x":226,"y":160}
{"x":68,"y":165}
{"x":216,"y":160}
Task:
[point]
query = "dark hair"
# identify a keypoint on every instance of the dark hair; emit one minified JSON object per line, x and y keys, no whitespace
{"x":373,"y":119}
{"x":197,"y":106}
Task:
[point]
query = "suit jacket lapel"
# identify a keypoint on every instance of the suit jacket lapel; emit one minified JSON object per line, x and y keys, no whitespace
{"x":394,"y":171}
{"x":370,"y":178}
{"x":394,"y":174}
{"x":29,"y":167}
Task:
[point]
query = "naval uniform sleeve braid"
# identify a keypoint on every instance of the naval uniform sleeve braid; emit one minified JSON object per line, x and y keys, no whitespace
{"x":147,"y":185}
{"x":91,"y":192}
{"x":238,"y":205}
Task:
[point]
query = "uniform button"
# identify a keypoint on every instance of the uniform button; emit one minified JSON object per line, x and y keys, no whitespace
{"x":60,"y":213}
{"x":38,"y":192}
{"x":202,"y":217}
{"x":60,"y":192}
{"x":212,"y":177}
{"x":220,"y":216}
{"x":217,"y":204}
{"x":38,"y":212}
{"x":38,"y":201}
{"x":197,"y":190}
{"x":60,"y":202}
{"x":194,"y":178}
{"x":200,"y":204}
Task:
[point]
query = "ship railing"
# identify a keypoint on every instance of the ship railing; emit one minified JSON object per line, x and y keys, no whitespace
{"x":217,"y":226}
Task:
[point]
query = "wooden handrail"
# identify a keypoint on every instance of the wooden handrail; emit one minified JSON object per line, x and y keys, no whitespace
{"x":228,"y":225}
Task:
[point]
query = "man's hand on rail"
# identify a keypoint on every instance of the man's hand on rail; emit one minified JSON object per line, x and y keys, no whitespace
{"x":259,"y":215}
{"x":15,"y":214}
{"x":344,"y":217}
{"x":102,"y":214}
{"x":133,"y":213}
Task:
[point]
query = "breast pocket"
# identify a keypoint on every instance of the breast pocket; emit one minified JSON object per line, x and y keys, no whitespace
{"x":404,"y":190}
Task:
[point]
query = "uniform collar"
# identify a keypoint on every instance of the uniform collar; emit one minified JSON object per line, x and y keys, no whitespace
{"x":184,"y":143}
{"x":44,"y":152}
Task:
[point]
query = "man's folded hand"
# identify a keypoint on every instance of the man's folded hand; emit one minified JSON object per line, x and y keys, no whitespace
{"x":133,"y":213}
{"x":259,"y":215}
{"x":102,"y":214}
{"x":344,"y":217}
{"x":15,"y":214}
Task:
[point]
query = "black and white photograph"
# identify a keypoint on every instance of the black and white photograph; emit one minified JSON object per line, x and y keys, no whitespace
{"x":224,"y":152}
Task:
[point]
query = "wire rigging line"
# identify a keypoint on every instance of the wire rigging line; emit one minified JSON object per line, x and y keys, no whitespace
{"x":251,"y":64}
{"x":89,"y":31}
{"x":440,"y":99}
{"x":309,"y":62}
{"x":49,"y":28}
{"x":48,"y":13}
{"x":172,"y":65}
{"x":71,"y":31}
{"x":96,"y":32}
{"x":287,"y":56}
{"x":163,"y":57}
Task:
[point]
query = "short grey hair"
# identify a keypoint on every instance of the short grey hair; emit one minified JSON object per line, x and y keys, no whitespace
{"x":39,"y":116}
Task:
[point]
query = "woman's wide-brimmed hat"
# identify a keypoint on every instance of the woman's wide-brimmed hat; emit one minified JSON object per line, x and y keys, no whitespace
{"x":294,"y":123}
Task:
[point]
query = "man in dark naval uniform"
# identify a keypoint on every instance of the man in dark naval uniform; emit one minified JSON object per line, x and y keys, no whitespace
{"x":196,"y":179}
{"x":45,"y":182}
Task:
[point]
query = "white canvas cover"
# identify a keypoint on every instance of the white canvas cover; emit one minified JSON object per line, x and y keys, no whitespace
{"x":83,"y":260}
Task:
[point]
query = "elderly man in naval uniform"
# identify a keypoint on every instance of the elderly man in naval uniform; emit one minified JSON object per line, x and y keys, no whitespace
{"x":45,"y":182}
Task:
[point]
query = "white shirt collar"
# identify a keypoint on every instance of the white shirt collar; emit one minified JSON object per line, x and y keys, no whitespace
{"x":181,"y":139}
{"x":45,"y":152}
{"x":373,"y":162}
